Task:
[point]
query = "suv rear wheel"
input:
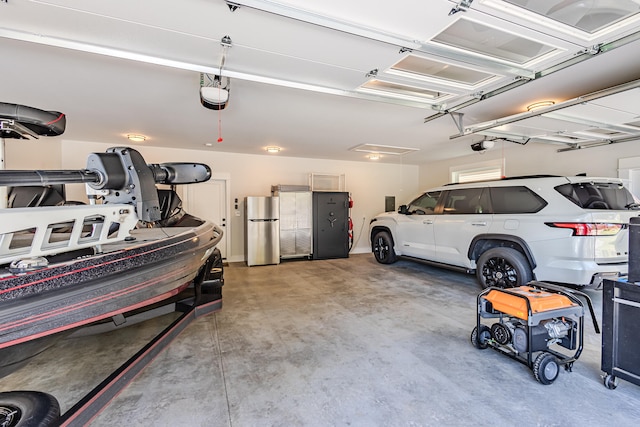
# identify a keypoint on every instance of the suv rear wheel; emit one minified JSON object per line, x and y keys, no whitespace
{"x":503,"y":268}
{"x":383,"y":248}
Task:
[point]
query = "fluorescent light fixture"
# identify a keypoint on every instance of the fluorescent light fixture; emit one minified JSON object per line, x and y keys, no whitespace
{"x":123,"y":54}
{"x":136,"y":138}
{"x":401,"y":89}
{"x":538,"y":105}
{"x":394,"y":95}
{"x":273,"y":149}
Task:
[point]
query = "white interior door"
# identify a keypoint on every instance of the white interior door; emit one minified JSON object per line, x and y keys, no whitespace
{"x":209,"y":201}
{"x":634,"y":182}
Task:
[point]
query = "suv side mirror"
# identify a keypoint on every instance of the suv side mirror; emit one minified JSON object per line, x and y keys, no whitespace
{"x":403,"y":210}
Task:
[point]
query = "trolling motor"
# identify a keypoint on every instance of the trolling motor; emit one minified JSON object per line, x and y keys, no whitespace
{"x":119,"y":176}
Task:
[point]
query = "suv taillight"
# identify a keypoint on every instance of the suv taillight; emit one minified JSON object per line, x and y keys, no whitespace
{"x":589,"y":228}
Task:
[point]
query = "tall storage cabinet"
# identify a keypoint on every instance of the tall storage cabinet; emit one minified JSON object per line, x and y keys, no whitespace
{"x":330,"y":224}
{"x":620,"y":317}
{"x":295,"y":220}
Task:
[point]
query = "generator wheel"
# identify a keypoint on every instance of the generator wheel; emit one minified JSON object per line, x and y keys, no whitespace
{"x":481,"y":340}
{"x":546,"y":368}
{"x":501,"y":333}
{"x":610,"y":382}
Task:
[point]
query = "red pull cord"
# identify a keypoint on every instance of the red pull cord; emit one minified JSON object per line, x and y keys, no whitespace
{"x":219,"y":115}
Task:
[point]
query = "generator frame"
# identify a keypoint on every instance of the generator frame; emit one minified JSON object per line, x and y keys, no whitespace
{"x":543,"y":365}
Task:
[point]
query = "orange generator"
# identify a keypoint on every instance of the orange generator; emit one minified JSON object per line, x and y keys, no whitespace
{"x":533,"y":324}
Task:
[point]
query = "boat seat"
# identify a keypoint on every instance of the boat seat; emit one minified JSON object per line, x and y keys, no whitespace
{"x":34,"y":196}
{"x":170,"y":203}
{"x":19,"y":122}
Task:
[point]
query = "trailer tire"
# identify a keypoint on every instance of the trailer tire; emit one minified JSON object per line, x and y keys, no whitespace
{"x":480,"y":340}
{"x":28,"y":409}
{"x":546,"y":368}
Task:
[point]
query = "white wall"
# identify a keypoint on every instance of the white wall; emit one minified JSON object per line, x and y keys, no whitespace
{"x":32,"y":154}
{"x":253,"y":175}
{"x":536,"y":158}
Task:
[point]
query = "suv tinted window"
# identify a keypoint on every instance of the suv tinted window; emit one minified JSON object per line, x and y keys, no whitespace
{"x":465,"y":201}
{"x":424,"y":204}
{"x":512,"y":200}
{"x":594,"y":195}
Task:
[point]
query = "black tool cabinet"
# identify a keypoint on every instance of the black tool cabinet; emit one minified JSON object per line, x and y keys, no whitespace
{"x":620,"y":332}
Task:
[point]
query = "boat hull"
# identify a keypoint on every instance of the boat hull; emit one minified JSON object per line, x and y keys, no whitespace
{"x":123,"y":278}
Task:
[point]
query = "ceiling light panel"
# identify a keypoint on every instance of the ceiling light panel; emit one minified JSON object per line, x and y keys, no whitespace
{"x":383,"y":149}
{"x":418,"y":67}
{"x":588,"y":16}
{"x":482,"y":39}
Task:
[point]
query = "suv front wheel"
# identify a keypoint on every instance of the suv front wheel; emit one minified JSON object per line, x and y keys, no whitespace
{"x":503,"y":268}
{"x":383,"y":248}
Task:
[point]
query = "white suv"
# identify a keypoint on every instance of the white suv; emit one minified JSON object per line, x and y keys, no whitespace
{"x":570,"y":230}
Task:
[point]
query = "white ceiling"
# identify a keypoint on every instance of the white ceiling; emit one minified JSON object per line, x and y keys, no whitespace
{"x":117,"y":67}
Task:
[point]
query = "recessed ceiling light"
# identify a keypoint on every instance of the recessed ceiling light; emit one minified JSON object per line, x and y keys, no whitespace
{"x":540,"y":104}
{"x":136,"y":138}
{"x":374,"y":156}
{"x":208,"y":144}
{"x":383,"y":149}
{"x":273,"y":149}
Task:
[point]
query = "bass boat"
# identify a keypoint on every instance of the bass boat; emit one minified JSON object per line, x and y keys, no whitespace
{"x":68,"y":265}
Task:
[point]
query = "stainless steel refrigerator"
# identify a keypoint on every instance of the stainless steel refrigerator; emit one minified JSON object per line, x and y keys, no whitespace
{"x":262,"y":230}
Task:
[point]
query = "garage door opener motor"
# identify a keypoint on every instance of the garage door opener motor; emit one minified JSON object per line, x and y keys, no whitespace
{"x":535,"y":325}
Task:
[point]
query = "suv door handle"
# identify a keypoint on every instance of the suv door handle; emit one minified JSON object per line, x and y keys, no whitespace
{"x":479,"y":224}
{"x":427,"y":221}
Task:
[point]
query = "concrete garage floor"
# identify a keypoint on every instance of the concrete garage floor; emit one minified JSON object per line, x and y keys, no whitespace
{"x":344,"y":342}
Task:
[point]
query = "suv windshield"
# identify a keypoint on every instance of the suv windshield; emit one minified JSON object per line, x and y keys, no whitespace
{"x":599,"y":195}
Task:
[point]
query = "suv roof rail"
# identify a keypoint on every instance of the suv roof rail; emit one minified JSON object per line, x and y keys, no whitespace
{"x":532,"y":176}
{"x":508,"y":178}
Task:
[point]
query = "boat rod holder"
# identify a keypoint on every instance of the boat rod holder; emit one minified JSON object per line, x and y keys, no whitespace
{"x":121,"y":175}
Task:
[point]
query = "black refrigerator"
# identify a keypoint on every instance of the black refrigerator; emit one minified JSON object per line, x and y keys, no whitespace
{"x":330,"y":224}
